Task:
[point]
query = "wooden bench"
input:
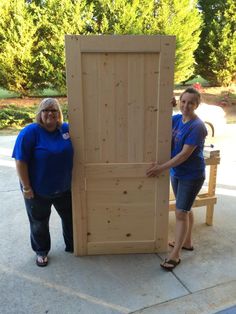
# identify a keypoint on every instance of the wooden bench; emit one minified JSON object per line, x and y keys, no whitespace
{"x":206,"y":196}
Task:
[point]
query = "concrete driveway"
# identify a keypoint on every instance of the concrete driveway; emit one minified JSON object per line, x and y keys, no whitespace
{"x":205,"y":281}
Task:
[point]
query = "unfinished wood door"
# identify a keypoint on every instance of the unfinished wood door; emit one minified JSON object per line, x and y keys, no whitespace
{"x":119,"y":93}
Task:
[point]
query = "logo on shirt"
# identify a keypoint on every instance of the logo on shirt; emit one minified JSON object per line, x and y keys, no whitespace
{"x":66,"y":136}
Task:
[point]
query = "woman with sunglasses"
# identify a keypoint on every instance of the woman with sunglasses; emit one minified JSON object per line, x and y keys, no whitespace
{"x":44,"y":156}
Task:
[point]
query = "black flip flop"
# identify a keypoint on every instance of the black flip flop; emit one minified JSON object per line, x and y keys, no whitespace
{"x":170,"y":262}
{"x":41,"y":261}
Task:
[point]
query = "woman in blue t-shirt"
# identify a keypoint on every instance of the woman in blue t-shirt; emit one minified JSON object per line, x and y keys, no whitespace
{"x":187,"y":170}
{"x":44,"y":156}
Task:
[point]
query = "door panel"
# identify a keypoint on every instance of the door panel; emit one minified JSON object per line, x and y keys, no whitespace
{"x":119,"y":93}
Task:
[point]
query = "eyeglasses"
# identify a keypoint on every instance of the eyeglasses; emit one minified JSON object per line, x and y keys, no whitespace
{"x":50,"y":110}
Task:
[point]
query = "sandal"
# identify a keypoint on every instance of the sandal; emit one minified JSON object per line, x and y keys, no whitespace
{"x":41,"y":261}
{"x":191,"y":248}
{"x":171,"y":262}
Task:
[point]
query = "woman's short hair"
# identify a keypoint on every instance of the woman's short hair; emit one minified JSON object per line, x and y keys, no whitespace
{"x":45,"y":103}
{"x":192,"y":90}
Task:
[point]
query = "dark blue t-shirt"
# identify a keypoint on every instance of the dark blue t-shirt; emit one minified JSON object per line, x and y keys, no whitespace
{"x":49,"y":156}
{"x":193,"y":133}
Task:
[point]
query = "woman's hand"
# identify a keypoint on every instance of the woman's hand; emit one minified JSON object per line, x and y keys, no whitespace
{"x":23,"y":173}
{"x":155,"y":170}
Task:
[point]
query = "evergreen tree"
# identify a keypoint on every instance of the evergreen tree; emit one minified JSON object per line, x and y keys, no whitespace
{"x":16,"y":41}
{"x":167,"y":17}
{"x":54,"y":19}
{"x":122,"y":16}
{"x":32,"y":34}
{"x":216,"y":56}
{"x":32,"y":41}
{"x":182,"y":19}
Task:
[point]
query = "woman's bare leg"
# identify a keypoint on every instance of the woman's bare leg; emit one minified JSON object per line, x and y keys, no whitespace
{"x":181,"y":229}
{"x":188,"y":239}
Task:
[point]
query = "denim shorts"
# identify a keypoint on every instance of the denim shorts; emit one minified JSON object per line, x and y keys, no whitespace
{"x":185,"y":192}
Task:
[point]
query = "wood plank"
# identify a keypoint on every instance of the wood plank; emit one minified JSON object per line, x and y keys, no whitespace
{"x":121,"y":108}
{"x":119,"y":184}
{"x":117,"y":170}
{"x":125,"y":44}
{"x":121,"y":247}
{"x":107,"y":107}
{"x":166,"y":78}
{"x":151,"y":77}
{"x":90,"y":79}
{"x":212,"y":179}
{"x":75,"y":97}
{"x":112,"y":222}
{"x":135,"y":107}
{"x":120,"y":197}
{"x":212,"y":161}
{"x":205,"y":201}
{"x":209,"y":214}
{"x":210,"y":152}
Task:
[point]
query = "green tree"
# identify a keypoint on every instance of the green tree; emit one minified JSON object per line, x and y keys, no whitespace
{"x":182,"y":19}
{"x":121,"y":16}
{"x":216,"y":56}
{"x":32,"y":34}
{"x":32,"y":41}
{"x":54,"y":19}
{"x":16,"y":41}
{"x":167,"y":17}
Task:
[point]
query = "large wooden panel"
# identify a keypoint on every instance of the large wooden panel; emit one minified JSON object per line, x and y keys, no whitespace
{"x":120,"y":106}
{"x":119,"y":92}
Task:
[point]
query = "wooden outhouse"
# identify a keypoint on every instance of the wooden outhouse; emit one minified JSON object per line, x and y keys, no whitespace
{"x":119,"y":96}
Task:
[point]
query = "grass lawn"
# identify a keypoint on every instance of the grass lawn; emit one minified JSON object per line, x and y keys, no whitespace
{"x":47,"y":92}
{"x":4,"y":93}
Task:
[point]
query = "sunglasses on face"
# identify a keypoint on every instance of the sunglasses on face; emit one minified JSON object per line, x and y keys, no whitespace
{"x":50,"y":110}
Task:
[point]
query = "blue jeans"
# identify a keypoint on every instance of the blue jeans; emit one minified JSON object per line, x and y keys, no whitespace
{"x":39,"y":211}
{"x":185,"y":192}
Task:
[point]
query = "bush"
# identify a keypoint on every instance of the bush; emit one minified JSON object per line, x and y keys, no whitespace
{"x":12,"y":116}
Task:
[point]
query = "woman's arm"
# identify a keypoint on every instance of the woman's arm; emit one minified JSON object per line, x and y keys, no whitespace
{"x":22,"y":170}
{"x":185,"y":153}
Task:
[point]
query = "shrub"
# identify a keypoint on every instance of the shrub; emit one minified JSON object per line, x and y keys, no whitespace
{"x":12,"y":116}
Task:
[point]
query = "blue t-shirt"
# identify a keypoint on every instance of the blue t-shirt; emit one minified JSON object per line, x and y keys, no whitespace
{"x":193,"y":133}
{"x":49,"y":156}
